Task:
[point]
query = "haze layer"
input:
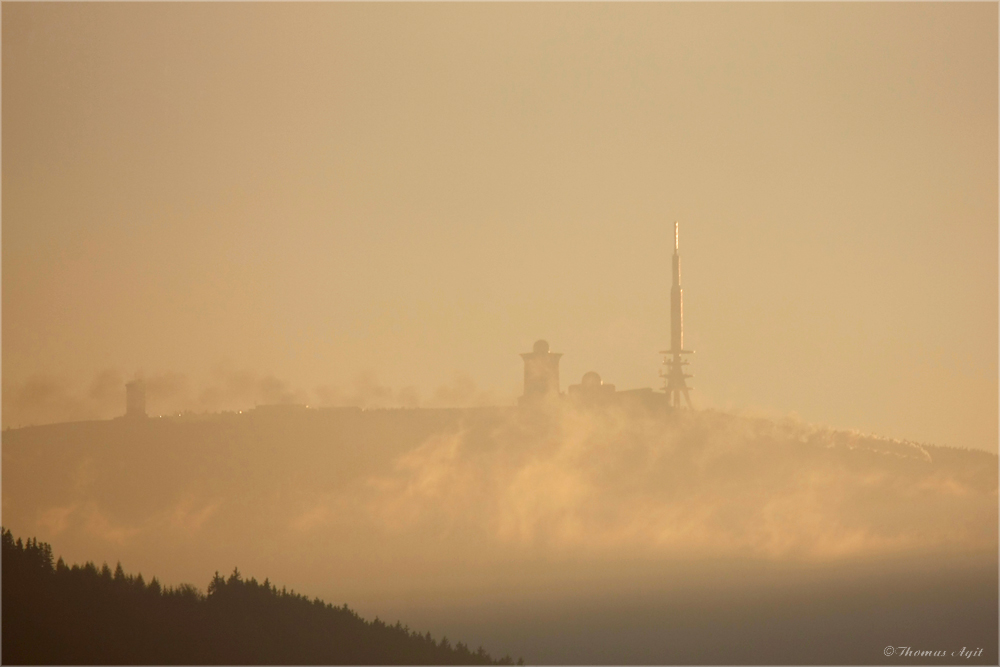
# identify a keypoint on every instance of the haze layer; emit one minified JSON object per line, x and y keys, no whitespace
{"x":412,"y":512}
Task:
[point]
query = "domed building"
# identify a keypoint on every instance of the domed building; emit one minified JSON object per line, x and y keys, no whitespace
{"x":592,"y":389}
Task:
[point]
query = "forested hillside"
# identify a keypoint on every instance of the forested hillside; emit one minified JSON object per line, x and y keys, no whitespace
{"x":56,"y":614}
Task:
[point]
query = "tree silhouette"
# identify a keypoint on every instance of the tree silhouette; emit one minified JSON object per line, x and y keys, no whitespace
{"x":56,"y":614}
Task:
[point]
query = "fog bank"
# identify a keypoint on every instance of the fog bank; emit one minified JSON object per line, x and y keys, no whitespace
{"x":436,"y":516}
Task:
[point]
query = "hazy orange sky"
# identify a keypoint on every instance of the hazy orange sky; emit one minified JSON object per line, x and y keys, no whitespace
{"x":314,"y":191}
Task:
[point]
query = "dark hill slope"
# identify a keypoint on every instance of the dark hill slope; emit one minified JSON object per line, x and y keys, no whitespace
{"x":54,"y":614}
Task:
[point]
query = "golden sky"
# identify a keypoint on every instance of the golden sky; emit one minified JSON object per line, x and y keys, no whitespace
{"x":314,"y":192}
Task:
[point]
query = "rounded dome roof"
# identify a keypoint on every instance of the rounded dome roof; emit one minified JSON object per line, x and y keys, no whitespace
{"x":541,"y":346}
{"x":591,"y":379}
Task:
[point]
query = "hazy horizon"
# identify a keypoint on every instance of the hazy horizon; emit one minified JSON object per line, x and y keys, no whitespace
{"x":384,"y":205}
{"x":316,"y":198}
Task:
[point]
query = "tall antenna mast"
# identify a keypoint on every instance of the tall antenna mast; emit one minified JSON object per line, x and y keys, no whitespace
{"x":675,"y":379}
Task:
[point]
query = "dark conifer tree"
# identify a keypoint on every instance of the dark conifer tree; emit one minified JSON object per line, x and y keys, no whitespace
{"x":54,"y":614}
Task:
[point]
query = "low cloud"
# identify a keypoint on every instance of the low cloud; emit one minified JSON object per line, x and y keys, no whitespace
{"x":46,"y":399}
{"x":366,"y":391}
{"x":382,"y":502}
{"x":226,"y":389}
{"x":43,"y":399}
{"x":600,"y":483}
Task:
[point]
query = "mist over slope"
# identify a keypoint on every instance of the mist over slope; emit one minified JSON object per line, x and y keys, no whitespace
{"x":418,"y":512}
{"x":597,"y":482}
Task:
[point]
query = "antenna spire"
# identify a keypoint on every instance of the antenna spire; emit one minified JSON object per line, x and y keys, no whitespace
{"x":675,"y":384}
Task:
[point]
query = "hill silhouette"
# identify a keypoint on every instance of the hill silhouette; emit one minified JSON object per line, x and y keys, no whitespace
{"x":570,"y":534}
{"x":56,"y":614}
